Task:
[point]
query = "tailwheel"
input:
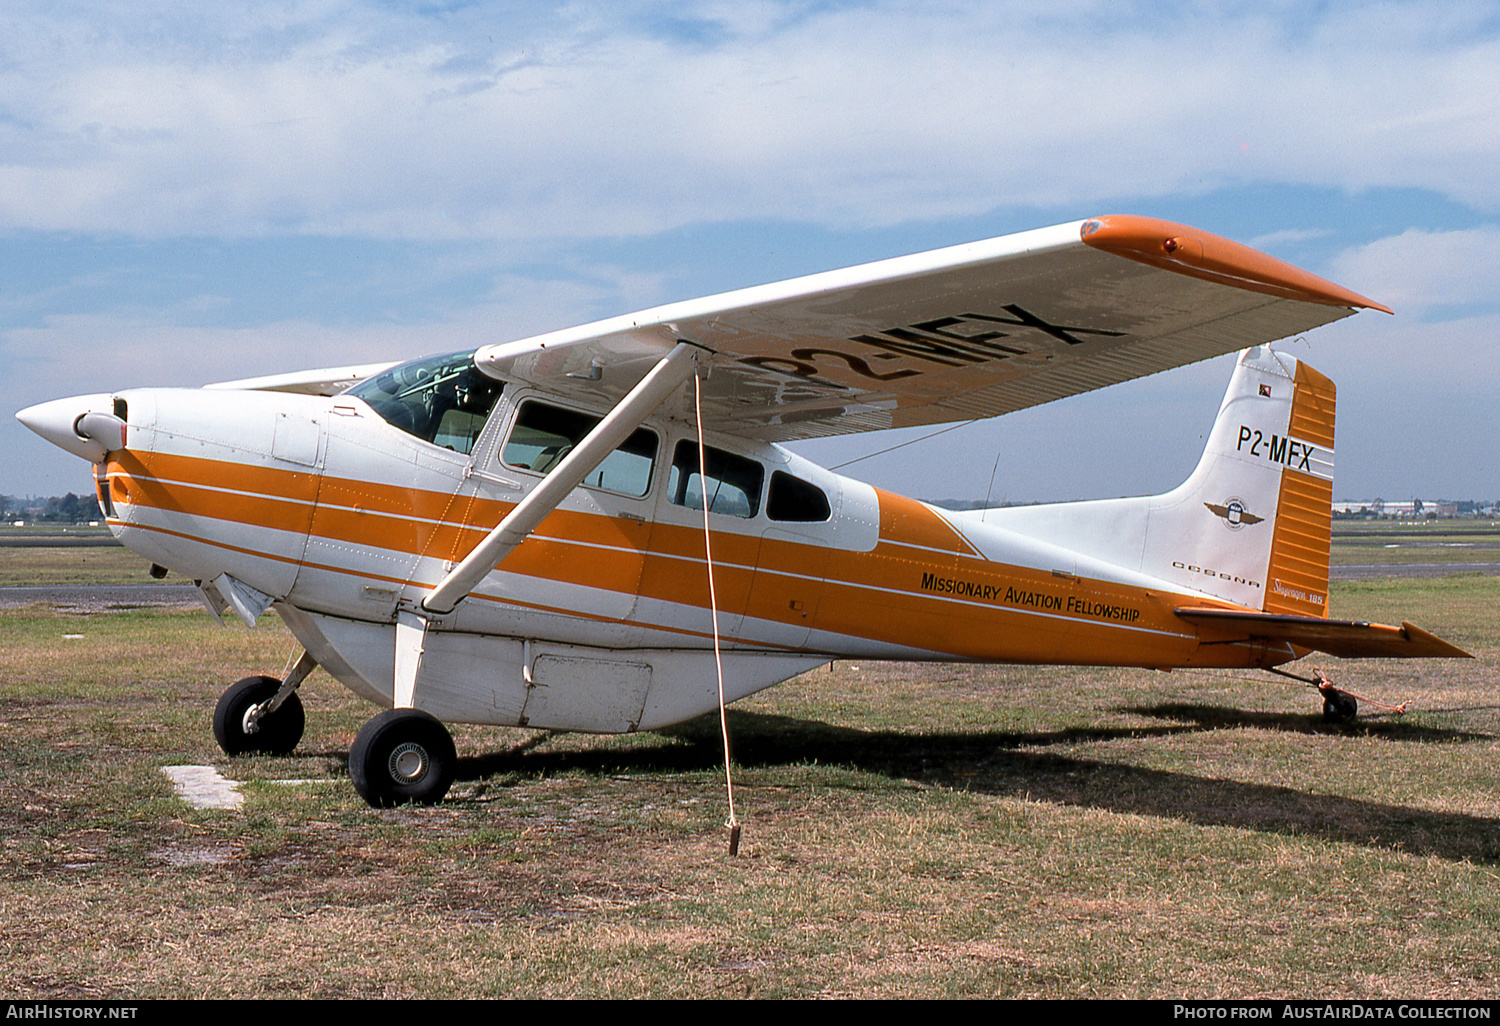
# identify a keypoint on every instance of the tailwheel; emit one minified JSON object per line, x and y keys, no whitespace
{"x":243,"y":726}
{"x":1338,"y":706}
{"x":402,"y":756}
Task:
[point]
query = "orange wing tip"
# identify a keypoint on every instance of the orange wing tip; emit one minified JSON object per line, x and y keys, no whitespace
{"x":1199,"y":254}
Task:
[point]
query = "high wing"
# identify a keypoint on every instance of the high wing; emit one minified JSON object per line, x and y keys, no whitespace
{"x":961,"y":333}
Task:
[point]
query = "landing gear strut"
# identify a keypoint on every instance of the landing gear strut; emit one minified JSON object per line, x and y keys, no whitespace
{"x":402,"y":756}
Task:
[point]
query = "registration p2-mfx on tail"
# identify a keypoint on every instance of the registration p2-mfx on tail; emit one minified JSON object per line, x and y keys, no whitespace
{"x":516,"y":535}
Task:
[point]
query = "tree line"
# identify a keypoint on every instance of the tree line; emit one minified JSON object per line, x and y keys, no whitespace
{"x":52,"y":509}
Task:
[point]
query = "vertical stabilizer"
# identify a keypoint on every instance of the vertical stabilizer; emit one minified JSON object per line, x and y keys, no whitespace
{"x":1251,"y":525}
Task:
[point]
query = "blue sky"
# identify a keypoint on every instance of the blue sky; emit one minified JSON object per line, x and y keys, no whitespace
{"x":194,"y":192}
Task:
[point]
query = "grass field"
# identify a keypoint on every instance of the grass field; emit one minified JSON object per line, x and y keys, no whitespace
{"x":911,"y":831}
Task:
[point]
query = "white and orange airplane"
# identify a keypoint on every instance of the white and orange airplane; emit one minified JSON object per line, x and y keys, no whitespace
{"x":516,"y":535}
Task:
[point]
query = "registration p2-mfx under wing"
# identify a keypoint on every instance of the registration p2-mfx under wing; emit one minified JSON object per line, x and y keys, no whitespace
{"x":516,"y":535}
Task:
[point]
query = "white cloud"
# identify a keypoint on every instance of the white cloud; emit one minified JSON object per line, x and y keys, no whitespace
{"x":81,"y":354}
{"x":1420,"y":269}
{"x":486,"y":122}
{"x":1288,"y":237}
{"x":483,"y":121}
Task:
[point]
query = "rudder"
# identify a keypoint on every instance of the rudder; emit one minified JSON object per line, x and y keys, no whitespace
{"x":1251,"y":524}
{"x":1297,"y":573}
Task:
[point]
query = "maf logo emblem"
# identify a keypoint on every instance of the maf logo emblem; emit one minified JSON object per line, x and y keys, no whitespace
{"x":1233,"y":513}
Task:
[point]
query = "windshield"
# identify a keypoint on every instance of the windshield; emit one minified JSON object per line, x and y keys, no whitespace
{"x":442,"y":399}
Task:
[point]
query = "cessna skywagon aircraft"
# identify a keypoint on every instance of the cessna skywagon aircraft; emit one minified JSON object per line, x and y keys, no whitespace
{"x":516,"y":535}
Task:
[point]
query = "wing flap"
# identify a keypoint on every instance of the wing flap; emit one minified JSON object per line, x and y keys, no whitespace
{"x":1347,"y":639}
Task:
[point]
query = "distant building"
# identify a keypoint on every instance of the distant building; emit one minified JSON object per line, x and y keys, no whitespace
{"x":1410,"y":509}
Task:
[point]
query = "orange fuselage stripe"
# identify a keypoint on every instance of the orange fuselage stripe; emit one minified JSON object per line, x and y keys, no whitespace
{"x":922,"y":586}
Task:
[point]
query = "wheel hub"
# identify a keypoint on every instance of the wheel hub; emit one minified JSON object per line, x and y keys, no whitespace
{"x":408,"y":763}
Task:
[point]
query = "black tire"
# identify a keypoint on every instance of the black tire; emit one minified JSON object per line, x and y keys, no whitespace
{"x":402,"y":756}
{"x":276,"y":734}
{"x":1339,"y":707}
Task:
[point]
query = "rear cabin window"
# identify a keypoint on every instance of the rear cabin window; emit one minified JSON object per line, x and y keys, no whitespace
{"x":544,"y":434}
{"x":444,"y":400}
{"x":794,"y":499}
{"x":732,"y":482}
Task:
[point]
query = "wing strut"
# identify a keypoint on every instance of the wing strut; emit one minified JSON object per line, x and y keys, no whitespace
{"x":608,"y":434}
{"x":411,"y":627}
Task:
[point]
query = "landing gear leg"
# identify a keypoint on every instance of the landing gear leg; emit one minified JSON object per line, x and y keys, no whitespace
{"x":263,"y":714}
{"x":402,"y":756}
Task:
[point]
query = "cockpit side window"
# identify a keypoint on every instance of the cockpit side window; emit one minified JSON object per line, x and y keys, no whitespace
{"x":793,"y":499}
{"x":444,"y":400}
{"x":732,"y":482}
{"x":544,"y":434}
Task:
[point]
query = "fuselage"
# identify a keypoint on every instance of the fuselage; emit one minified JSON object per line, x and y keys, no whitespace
{"x":322,"y":505}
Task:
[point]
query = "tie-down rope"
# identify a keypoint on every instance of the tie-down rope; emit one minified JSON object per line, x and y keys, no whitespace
{"x":733,"y":822}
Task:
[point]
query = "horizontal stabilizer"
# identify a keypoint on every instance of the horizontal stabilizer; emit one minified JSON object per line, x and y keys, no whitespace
{"x":1347,"y":639}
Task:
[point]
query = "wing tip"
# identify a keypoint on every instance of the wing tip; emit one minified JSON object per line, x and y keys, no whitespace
{"x":1200,"y":254}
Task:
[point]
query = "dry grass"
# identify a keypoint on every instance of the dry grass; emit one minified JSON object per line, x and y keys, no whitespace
{"x":911,"y":831}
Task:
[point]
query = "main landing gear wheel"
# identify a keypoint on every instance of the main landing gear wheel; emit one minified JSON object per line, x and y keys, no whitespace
{"x":275,"y":734}
{"x":401,"y":756}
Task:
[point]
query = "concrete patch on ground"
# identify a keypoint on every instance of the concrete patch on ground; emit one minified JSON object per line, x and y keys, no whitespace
{"x":204,"y":787}
{"x":194,"y":856}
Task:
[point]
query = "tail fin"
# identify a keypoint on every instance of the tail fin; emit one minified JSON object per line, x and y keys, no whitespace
{"x":1251,"y":525}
